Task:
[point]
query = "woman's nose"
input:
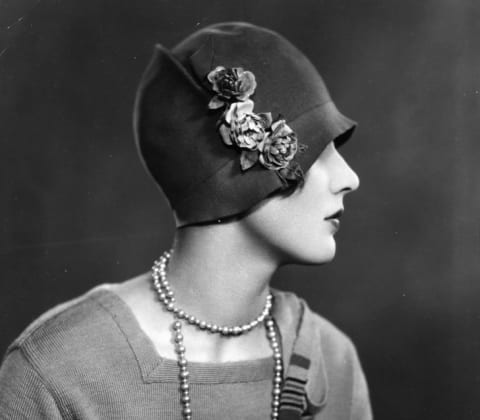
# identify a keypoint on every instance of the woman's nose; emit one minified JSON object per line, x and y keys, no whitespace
{"x":344,"y":178}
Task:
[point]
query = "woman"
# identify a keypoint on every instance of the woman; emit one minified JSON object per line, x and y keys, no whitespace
{"x":239,"y":131}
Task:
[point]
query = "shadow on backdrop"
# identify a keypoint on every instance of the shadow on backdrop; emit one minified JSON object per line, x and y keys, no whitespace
{"x":78,"y":209}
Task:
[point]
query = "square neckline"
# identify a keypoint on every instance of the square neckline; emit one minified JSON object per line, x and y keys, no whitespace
{"x":156,"y":368}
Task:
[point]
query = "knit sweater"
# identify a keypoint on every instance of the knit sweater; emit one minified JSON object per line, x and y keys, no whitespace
{"x":89,"y":359}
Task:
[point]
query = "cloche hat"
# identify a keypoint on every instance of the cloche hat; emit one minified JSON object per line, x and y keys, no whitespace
{"x":230,"y":115}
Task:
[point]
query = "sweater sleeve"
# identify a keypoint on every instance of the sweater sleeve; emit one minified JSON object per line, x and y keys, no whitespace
{"x":341,"y":373}
{"x":23,"y":394}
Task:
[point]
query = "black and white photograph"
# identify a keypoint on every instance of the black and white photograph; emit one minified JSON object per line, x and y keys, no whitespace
{"x":241,"y":210}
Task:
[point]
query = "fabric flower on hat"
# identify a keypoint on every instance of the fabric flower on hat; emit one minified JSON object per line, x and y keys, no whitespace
{"x":232,"y":84}
{"x":260,"y":139}
{"x":279,"y":147}
{"x":243,"y":127}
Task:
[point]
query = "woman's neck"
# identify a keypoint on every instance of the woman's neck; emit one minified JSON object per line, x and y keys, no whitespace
{"x":220,"y":273}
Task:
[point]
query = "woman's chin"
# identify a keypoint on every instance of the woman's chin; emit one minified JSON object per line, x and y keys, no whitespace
{"x":326,"y":256}
{"x":317,"y":255}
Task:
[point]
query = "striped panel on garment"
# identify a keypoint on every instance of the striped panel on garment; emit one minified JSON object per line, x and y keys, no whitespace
{"x":292,"y":400}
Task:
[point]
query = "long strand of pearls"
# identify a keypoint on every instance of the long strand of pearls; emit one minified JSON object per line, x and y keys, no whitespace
{"x":167,"y":298}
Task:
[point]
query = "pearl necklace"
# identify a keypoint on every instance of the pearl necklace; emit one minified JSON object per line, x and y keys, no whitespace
{"x":167,"y":298}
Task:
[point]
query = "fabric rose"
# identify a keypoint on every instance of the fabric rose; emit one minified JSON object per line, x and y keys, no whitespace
{"x":259,"y":139}
{"x":280,"y":147}
{"x":243,"y":127}
{"x":232,"y":84}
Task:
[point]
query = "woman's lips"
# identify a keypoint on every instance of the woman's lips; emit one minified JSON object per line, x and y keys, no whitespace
{"x":335,"y":215}
{"x":335,"y":223}
{"x":334,"y":219}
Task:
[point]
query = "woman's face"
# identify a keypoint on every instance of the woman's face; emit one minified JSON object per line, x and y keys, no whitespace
{"x":301,"y":227}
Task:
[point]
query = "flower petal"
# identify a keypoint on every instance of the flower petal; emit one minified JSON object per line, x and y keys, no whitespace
{"x":277,"y":126}
{"x":229,"y":113}
{"x":243,"y":108}
{"x":266,"y":119}
{"x":212,"y":76}
{"x":238,"y":71}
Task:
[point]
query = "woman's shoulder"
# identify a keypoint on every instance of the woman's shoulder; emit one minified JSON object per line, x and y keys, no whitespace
{"x":69,"y":331}
{"x":61,"y":317}
{"x":294,"y":310}
{"x":331,"y":353}
{"x":333,"y":373}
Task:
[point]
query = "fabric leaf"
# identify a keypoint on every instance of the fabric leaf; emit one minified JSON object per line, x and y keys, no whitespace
{"x":215,"y":103}
{"x":248,"y":158}
{"x":225,"y":133}
{"x":292,"y":173}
